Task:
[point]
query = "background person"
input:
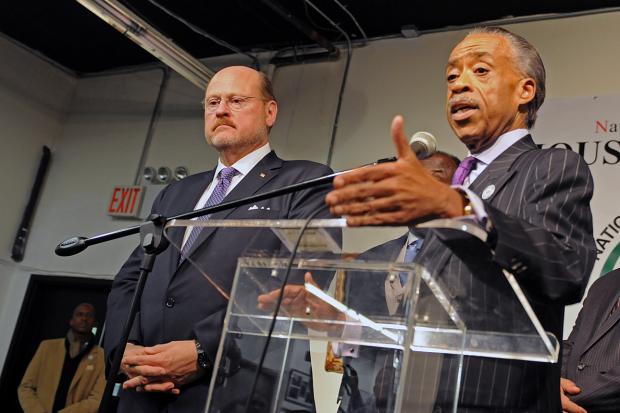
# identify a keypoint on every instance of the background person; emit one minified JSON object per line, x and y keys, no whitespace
{"x":591,"y":354}
{"x":66,"y":374}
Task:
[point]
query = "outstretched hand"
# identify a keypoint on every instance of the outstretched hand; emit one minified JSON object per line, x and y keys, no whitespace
{"x":298,"y":302}
{"x":393,"y":193}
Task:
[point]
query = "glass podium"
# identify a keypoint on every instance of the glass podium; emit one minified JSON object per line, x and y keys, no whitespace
{"x":357,"y":330}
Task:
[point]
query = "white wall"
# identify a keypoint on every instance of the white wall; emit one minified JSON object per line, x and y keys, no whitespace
{"x":97,"y":127}
{"x":34,"y":101}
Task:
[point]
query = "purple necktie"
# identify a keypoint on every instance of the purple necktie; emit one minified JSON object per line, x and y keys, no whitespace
{"x":219,"y":192}
{"x":462,"y":172}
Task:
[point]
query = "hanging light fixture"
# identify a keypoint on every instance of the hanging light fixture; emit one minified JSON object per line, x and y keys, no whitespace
{"x":146,"y":36}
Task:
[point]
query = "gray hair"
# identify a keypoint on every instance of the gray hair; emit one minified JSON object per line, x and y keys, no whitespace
{"x":266,"y":87}
{"x":528,"y":62}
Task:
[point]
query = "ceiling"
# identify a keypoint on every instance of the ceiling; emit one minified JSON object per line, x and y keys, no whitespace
{"x":67,"y":33}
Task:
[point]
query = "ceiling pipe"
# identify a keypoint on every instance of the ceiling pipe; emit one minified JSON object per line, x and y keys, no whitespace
{"x":151,"y":40}
{"x":302,"y":26}
{"x":203,"y":33}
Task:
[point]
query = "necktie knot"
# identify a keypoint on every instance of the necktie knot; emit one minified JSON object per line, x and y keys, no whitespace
{"x":463,"y":170}
{"x":228,"y":173}
{"x":412,"y":250}
{"x":217,"y":196}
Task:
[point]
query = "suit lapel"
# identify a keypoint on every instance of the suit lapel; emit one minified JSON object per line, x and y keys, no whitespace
{"x":499,"y":172}
{"x":77,"y":376}
{"x":606,"y":323}
{"x":182,"y":205}
{"x":264,"y":171}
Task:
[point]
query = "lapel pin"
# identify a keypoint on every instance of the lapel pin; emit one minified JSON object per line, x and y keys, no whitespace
{"x":263,"y":174}
{"x":488,"y":191}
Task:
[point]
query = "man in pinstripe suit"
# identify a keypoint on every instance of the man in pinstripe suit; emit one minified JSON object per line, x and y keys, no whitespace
{"x":534,"y":204}
{"x":591,"y":358}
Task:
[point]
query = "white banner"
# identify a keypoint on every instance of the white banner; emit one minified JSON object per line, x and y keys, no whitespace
{"x":590,"y":126}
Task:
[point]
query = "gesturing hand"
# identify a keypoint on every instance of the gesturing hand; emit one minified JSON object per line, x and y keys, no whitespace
{"x":394,"y":193}
{"x":298,"y":302}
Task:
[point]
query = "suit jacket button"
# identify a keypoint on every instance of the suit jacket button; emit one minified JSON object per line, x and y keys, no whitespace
{"x":170,"y":302}
{"x":581,"y":366}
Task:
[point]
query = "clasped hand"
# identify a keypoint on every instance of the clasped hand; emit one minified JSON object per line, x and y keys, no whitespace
{"x":161,"y":368}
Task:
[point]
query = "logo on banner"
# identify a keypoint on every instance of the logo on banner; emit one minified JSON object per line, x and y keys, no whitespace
{"x":608,"y":240}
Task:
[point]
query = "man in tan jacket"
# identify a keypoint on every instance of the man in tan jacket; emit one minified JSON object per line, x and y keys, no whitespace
{"x":66,"y":375}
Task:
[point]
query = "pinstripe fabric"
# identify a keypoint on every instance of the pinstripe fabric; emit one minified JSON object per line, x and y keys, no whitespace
{"x":543,"y":233}
{"x":591,"y":356}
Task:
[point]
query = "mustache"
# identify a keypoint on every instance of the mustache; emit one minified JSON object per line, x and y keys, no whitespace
{"x":222,"y":122}
{"x":462,"y":101}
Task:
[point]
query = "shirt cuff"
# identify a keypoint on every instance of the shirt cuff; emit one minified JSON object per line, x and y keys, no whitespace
{"x":477,"y":205}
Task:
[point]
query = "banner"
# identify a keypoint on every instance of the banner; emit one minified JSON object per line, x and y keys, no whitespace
{"x":590,"y":126}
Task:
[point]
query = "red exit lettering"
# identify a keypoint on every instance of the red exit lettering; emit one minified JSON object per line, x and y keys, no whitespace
{"x":125,"y":201}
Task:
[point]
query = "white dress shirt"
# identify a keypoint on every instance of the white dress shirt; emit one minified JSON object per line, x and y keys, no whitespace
{"x":487,"y":156}
{"x":243,"y":167}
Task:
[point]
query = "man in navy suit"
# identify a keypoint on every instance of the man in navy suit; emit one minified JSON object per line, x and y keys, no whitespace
{"x":591,"y":357}
{"x":177,"y":331}
{"x":533,"y":203}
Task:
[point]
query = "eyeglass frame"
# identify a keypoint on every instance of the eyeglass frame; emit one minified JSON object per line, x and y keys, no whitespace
{"x":229,"y":104}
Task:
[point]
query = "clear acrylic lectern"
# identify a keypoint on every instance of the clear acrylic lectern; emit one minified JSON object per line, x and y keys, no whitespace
{"x":358,"y":329}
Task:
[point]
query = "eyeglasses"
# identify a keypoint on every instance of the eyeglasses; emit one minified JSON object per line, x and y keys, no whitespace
{"x":234,"y":103}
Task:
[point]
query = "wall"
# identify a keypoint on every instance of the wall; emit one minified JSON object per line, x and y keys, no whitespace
{"x":98,"y":137}
{"x":34,"y":104}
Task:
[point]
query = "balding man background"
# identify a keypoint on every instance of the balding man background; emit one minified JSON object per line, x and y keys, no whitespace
{"x":177,"y":332}
{"x":66,"y":374}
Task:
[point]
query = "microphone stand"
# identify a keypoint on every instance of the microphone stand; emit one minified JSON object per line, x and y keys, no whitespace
{"x":153,"y":242}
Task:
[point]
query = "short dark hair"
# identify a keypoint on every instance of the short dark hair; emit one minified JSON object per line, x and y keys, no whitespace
{"x":453,"y":158}
{"x":528,"y":62}
{"x":85,"y":304}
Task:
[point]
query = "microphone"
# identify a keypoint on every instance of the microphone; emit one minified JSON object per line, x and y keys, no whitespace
{"x":423,"y":144}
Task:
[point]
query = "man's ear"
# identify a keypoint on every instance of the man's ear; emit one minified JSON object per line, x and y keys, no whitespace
{"x":271,"y":112}
{"x":526,"y":90}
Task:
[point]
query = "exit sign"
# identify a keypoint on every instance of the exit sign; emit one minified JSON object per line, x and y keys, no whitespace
{"x":126,"y":201}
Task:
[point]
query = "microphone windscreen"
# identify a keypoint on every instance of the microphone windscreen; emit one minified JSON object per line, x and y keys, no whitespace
{"x":423,"y":144}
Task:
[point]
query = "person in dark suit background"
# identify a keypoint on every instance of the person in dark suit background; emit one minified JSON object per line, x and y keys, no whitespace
{"x":177,"y":331}
{"x":533,"y":203}
{"x":591,"y":355}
